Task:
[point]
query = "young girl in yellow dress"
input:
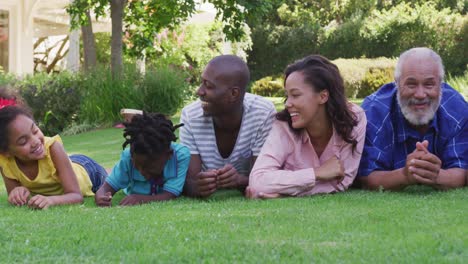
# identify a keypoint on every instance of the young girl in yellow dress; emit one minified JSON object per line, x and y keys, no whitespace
{"x":36,"y":170}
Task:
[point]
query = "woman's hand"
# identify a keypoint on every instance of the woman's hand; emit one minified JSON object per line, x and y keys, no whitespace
{"x":252,"y":194}
{"x":332,"y":169}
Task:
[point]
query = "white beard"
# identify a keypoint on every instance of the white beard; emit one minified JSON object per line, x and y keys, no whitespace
{"x":419,"y":117}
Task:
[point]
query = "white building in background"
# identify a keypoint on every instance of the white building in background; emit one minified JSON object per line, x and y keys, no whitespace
{"x":22,"y":21}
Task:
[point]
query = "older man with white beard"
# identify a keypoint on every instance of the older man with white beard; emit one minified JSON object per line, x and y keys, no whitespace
{"x":417,"y":128}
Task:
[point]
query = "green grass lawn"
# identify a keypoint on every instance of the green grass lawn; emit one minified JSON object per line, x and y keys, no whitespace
{"x":418,"y":225}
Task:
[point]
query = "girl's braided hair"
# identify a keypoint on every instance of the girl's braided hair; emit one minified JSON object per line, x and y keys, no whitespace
{"x":149,"y":134}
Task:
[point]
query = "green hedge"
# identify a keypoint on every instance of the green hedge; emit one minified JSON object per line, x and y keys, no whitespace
{"x":74,"y":102}
{"x":379,"y":32}
{"x":55,"y":100}
{"x":361,"y":76}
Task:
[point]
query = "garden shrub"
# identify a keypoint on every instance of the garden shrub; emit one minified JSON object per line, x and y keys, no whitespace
{"x":6,"y":78}
{"x":459,"y":83}
{"x":361,"y":77}
{"x":373,"y":80}
{"x":268,"y":86}
{"x":381,"y":29}
{"x":54,"y":100}
{"x":279,"y":46}
{"x":104,"y":96}
{"x":163,"y":90}
{"x":293,"y":35}
{"x":404,"y":26}
{"x":389,"y":32}
{"x":77,"y":102}
{"x":343,"y":41}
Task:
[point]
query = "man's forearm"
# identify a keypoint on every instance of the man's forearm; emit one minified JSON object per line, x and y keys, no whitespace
{"x":388,"y":180}
{"x":450,"y":178}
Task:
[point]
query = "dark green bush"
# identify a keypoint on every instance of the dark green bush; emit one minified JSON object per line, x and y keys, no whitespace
{"x":159,"y":90}
{"x":390,"y":32}
{"x":55,"y":100}
{"x":379,"y":29}
{"x":277,"y":46}
{"x":342,"y":41}
{"x":163,"y":90}
{"x":75,"y":102}
{"x":104,"y":96}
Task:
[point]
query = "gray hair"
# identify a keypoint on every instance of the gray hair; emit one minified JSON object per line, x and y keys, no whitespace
{"x":422,"y":52}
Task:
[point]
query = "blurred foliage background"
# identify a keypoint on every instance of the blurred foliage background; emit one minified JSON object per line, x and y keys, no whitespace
{"x":362,"y":37}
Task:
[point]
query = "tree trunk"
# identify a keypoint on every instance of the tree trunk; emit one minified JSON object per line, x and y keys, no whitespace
{"x":89,"y":44}
{"x":117,"y":7}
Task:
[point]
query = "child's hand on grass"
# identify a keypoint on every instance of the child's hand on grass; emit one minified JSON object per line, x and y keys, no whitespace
{"x":19,"y":196}
{"x":40,"y":202}
{"x":103,"y":200}
{"x":134,"y":199}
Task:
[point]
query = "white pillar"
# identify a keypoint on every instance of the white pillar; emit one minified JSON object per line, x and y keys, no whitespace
{"x":21,"y":47}
{"x":20,"y":57}
{"x":26,"y":52}
{"x":73,"y":56}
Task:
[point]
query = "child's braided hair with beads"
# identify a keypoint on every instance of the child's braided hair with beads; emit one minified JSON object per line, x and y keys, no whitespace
{"x":149,"y":134}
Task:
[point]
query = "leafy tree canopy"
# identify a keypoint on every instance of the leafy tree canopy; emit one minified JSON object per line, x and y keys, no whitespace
{"x":143,"y":19}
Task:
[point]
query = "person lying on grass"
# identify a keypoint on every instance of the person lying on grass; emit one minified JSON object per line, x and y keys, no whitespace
{"x":36,"y":170}
{"x":418,"y":128}
{"x":153,"y":168}
{"x":224,"y":129}
{"x":316,"y":142}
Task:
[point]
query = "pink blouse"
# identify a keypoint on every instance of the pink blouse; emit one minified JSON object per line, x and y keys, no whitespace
{"x":287,"y":160}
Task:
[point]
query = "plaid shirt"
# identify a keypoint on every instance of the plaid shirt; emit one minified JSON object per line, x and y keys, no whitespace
{"x":389,"y":138}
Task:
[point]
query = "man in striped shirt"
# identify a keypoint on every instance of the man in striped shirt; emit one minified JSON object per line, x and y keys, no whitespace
{"x":417,"y":128}
{"x":225,"y":129}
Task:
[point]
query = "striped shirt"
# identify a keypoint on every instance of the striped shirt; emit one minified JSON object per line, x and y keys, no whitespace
{"x":389,"y":138}
{"x":198,"y":134}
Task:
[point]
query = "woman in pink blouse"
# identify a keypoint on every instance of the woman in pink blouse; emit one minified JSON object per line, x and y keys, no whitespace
{"x":316,"y":142}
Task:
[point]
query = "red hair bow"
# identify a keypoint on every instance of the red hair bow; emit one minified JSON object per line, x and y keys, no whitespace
{"x":6,"y":102}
